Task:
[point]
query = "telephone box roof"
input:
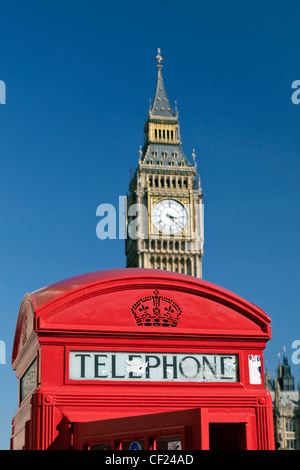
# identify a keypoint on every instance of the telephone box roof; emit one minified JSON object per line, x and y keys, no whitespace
{"x":114,"y":301}
{"x":50,"y":292}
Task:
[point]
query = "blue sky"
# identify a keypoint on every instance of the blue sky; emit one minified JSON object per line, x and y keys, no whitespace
{"x":79,"y":77}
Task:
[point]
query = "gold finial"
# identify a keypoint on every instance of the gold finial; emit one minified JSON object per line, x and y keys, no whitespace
{"x":194,"y":158}
{"x":140,"y":152}
{"x":159,"y":58}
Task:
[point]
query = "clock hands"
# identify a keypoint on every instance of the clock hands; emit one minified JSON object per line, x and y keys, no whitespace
{"x":171,"y":216}
{"x":174,"y":219}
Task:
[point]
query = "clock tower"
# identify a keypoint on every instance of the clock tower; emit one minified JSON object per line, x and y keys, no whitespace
{"x":164,"y":205}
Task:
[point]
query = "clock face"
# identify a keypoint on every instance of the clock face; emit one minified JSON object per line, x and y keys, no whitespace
{"x":169,"y":216}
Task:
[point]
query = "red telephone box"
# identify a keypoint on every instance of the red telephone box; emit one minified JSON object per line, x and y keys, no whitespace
{"x":138,"y":358}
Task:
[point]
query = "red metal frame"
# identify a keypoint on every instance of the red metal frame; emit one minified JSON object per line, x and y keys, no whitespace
{"x":185,"y":423}
{"x":93,"y":312}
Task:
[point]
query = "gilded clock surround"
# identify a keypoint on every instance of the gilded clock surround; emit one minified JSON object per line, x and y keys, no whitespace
{"x":186,"y":232}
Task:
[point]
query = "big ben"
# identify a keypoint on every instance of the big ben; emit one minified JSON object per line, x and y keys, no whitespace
{"x":164,"y":204}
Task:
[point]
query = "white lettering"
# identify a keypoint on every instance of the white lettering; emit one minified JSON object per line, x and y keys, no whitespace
{"x":122,"y":217}
{"x":295,"y":95}
{"x":2,"y":352}
{"x":2,"y":92}
{"x":296,"y":354}
{"x":116,"y":460}
{"x":138,"y":228}
{"x":137,"y":223}
{"x":106,"y":228}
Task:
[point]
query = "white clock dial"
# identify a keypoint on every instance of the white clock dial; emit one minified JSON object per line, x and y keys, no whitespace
{"x":169,"y":216}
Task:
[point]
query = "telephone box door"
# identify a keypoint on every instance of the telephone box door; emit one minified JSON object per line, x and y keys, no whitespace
{"x":175,"y":430}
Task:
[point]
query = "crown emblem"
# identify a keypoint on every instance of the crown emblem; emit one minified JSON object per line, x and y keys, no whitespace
{"x":156,"y":310}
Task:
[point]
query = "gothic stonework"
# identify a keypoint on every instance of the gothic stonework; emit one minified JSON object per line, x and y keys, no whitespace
{"x":286,"y":406}
{"x":167,"y":185}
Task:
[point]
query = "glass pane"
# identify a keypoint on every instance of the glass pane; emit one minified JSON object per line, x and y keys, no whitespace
{"x":133,"y":444}
{"x":100,"y":447}
{"x":169,"y":443}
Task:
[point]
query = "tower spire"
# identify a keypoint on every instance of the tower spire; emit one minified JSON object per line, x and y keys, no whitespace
{"x":162,"y":141}
{"x":161,"y":108}
{"x":166,"y":179}
{"x":159,"y":59}
{"x":285,"y":378}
